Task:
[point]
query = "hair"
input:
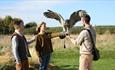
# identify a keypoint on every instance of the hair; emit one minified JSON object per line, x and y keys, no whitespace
{"x":16,"y":22}
{"x":87,"y":18}
{"x":38,"y":26}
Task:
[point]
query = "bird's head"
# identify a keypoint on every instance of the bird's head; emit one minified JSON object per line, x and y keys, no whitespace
{"x":81,"y":13}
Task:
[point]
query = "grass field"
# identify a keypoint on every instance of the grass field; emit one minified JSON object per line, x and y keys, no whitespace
{"x":64,"y":58}
{"x":68,"y":59}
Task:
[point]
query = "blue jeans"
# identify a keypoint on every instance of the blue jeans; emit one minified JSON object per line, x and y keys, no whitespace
{"x":45,"y":61}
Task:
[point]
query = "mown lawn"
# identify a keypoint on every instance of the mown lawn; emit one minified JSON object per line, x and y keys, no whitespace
{"x":68,"y":59}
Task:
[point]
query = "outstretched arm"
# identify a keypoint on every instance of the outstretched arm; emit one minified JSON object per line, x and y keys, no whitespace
{"x":32,"y":40}
{"x":61,"y":35}
{"x":72,"y":40}
{"x":79,"y":39}
{"x":53,"y":35}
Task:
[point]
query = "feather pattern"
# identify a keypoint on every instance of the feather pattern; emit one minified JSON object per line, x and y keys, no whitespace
{"x":68,"y":23}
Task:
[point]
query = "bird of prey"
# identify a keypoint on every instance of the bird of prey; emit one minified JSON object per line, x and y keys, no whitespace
{"x":68,"y":23}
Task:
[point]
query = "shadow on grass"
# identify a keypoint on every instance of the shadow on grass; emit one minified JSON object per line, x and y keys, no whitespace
{"x":12,"y":67}
{"x":35,"y":67}
{"x":31,"y":67}
{"x":69,"y":67}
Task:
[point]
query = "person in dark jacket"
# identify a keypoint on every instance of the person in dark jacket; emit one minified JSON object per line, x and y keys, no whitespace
{"x":44,"y":45}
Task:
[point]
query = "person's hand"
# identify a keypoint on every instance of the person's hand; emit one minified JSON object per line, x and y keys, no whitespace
{"x":68,"y":36}
{"x":18,"y":62}
{"x":67,"y":33}
{"x":19,"y":65}
{"x":62,"y":35}
{"x":40,"y":59}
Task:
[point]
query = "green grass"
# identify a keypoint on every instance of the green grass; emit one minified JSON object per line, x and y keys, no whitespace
{"x":68,"y":59}
{"x":107,"y":61}
{"x":65,"y":59}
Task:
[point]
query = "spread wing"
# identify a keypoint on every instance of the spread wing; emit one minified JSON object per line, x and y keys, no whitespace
{"x":56,"y":16}
{"x":74,"y":18}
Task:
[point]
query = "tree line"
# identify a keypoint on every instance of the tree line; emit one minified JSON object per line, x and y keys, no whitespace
{"x":6,"y":27}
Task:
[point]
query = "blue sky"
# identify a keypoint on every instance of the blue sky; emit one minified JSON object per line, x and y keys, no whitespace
{"x":102,"y":12}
